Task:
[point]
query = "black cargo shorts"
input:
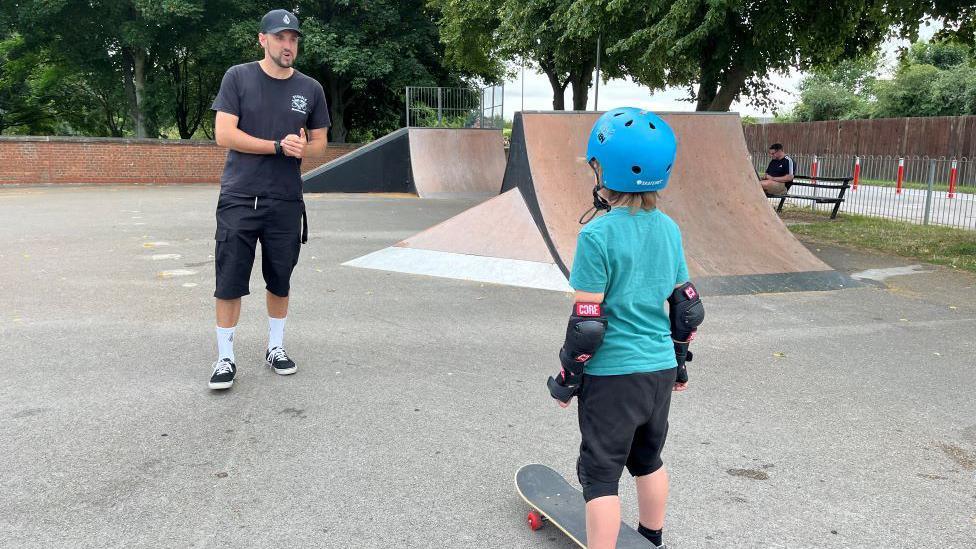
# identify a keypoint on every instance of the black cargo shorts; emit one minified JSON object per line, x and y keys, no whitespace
{"x":242,"y":222}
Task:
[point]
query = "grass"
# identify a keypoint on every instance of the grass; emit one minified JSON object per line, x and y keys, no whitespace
{"x":954,"y":248}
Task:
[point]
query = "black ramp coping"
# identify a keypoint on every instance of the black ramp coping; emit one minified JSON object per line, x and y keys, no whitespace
{"x":383,"y":166}
{"x":563,"y":505}
{"x":518,"y":175}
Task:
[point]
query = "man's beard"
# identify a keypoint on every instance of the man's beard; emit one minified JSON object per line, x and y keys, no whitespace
{"x":283,"y":63}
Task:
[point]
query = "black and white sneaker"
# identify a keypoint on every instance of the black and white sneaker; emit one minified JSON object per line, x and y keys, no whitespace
{"x":279,"y":361}
{"x":223,"y":374}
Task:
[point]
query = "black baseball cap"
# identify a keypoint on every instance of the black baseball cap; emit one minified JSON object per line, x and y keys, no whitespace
{"x":279,"y":20}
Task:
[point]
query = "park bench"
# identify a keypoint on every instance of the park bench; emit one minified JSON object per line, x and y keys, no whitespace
{"x":836,"y":187}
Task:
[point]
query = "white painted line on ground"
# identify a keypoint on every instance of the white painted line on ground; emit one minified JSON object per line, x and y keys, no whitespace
{"x":177,"y":272}
{"x":881,"y":274}
{"x":510,"y":272}
{"x":160,"y":257}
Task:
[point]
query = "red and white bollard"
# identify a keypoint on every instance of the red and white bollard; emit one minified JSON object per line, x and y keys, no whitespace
{"x":901,"y":175}
{"x":952,"y":178}
{"x":813,"y":170}
{"x":857,"y":172}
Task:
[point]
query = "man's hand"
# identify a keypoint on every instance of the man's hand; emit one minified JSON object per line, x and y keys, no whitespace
{"x":563,"y":404}
{"x":294,"y":145}
{"x":679,"y":386}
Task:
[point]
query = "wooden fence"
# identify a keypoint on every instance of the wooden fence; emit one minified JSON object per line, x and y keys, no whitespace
{"x":939,"y":136}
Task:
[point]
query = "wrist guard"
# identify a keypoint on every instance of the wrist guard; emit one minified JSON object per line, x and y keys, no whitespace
{"x":682,"y":355}
{"x":584,"y":334}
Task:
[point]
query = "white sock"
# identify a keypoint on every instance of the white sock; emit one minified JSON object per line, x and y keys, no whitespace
{"x":276,"y":332}
{"x":225,"y":343}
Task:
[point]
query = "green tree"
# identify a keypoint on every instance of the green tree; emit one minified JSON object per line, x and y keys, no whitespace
{"x":192,"y":59}
{"x":955,"y":90}
{"x":943,"y":54}
{"x":910,"y":93}
{"x":958,"y":18}
{"x":83,"y":101}
{"x":482,"y":36}
{"x":119,"y":40}
{"x":935,"y":78}
{"x":841,"y":92}
{"x":19,"y":109}
{"x":366,"y":53}
{"x":724,"y":50}
{"x":40,"y":94}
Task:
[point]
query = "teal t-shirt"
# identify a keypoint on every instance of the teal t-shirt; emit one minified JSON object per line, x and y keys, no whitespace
{"x":635,"y":259}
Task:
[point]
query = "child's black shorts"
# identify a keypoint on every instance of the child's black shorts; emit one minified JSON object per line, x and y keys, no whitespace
{"x":624,"y":422}
{"x":241,"y":223}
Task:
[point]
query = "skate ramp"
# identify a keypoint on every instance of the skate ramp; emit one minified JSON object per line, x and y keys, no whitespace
{"x":496,"y":242}
{"x":502,"y":227}
{"x":428,"y":162}
{"x":734,"y":242}
{"x":457,"y":162}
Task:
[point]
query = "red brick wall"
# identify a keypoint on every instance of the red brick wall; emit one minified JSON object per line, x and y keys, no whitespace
{"x":46,"y":160}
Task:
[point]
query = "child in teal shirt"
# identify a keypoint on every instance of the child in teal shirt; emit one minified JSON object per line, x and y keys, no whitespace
{"x":624,"y":352}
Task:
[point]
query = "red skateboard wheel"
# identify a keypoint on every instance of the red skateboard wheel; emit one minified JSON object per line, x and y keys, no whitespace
{"x":535,"y":520}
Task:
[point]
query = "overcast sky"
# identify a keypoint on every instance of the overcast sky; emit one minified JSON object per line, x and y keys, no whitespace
{"x":623,"y":93}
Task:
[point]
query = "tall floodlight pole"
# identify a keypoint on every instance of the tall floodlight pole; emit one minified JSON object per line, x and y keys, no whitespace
{"x":523,"y":82}
{"x":596,"y":96}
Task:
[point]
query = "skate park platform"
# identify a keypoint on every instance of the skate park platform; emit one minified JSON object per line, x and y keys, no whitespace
{"x":734,"y":242}
{"x":813,"y":419}
{"x":428,"y":162}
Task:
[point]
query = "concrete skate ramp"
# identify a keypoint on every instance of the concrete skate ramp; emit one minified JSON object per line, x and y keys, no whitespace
{"x":500,"y":227}
{"x":726,"y":222}
{"x":496,"y":242}
{"x":734,"y":242}
{"x":429,"y":162}
{"x":457,"y":162}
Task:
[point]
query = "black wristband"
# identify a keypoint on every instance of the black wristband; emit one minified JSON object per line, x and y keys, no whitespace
{"x":277,"y":145}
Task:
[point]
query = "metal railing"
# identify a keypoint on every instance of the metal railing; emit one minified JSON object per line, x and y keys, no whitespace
{"x":917,"y":189}
{"x":439,"y":107}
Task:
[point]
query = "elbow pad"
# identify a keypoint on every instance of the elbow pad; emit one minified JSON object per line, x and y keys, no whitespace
{"x":686,"y":311}
{"x":584,"y":335}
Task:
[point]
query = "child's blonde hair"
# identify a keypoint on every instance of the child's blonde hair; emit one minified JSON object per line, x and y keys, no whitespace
{"x":634,"y":201}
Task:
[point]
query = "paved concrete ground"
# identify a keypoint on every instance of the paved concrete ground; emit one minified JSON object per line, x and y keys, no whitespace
{"x":841,"y":419}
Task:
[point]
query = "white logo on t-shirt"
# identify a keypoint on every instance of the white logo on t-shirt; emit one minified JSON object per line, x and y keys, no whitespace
{"x":299,"y":104}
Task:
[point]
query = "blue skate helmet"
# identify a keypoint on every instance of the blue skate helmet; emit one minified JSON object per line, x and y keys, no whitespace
{"x":635,"y":149}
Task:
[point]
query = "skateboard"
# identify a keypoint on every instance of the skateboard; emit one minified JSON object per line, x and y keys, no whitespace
{"x":555,"y":501}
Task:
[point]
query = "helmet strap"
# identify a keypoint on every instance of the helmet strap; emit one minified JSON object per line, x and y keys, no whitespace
{"x":599,"y":203}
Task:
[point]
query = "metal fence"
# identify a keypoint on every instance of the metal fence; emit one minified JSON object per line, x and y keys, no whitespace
{"x":917,"y":189}
{"x":438,"y":107}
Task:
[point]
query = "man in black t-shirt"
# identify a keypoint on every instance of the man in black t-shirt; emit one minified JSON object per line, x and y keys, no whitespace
{"x":779,"y":173}
{"x":263,"y":111}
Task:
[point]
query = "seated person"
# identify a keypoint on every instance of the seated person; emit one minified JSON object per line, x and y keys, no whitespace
{"x":779,"y":173}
